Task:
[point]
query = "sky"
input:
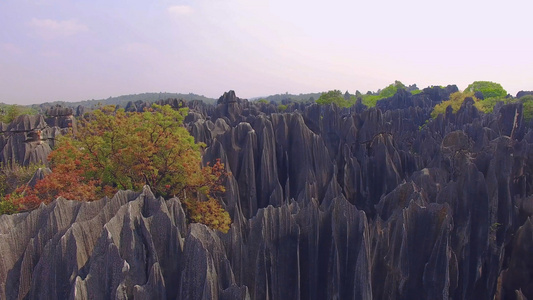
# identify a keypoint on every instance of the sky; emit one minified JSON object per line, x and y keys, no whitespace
{"x":73,"y":50}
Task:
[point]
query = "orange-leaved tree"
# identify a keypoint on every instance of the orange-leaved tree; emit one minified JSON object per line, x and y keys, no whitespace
{"x":70,"y":179}
{"x":113,"y":149}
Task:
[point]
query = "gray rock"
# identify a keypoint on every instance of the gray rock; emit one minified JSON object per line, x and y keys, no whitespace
{"x":30,"y":139}
{"x":326,"y":202}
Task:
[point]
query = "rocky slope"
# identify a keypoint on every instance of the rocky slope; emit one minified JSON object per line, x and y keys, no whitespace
{"x":327,"y":203}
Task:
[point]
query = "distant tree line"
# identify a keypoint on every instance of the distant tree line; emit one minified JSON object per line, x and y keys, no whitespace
{"x":288,"y":98}
{"x":9,"y":112}
{"x":123,"y":100}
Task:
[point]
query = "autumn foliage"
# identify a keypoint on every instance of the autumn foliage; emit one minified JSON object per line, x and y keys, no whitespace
{"x":208,"y":184}
{"x":113,"y":150}
{"x":70,"y":179}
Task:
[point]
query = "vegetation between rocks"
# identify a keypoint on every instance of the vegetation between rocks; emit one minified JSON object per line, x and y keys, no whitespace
{"x":114,"y":149}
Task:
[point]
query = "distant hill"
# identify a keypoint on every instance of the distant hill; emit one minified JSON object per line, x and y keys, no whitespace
{"x":123,"y":100}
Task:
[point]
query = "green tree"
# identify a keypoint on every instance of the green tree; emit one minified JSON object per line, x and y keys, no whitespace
{"x":333,"y":96}
{"x":488,"y":89}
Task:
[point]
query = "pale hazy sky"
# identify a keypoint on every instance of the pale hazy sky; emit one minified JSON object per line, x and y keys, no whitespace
{"x":74,"y":50}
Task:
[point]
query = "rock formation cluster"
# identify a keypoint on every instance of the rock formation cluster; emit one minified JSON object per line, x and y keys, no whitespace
{"x":326,"y":203}
{"x":29,"y":139}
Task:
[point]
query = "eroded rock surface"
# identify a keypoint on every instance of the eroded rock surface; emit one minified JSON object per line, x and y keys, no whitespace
{"x":29,"y":139}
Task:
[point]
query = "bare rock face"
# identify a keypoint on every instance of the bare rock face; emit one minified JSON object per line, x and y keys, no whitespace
{"x":515,"y":279}
{"x":59,"y":111}
{"x":61,"y":118}
{"x":23,"y":141}
{"x":521,"y":94}
{"x":327,"y":203}
{"x":29,"y":139}
{"x":39,"y":175}
{"x":231,"y":107}
{"x":451,"y":179}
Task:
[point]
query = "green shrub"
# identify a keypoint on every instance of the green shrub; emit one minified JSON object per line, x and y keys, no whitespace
{"x":8,"y":207}
{"x":527,"y":102}
{"x":14,"y":175}
{"x":282,"y":107}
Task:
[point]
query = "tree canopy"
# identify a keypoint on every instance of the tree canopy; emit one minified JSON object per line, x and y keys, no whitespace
{"x":491,"y":94}
{"x":114,"y":149}
{"x":488,"y":89}
{"x":333,"y":96}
